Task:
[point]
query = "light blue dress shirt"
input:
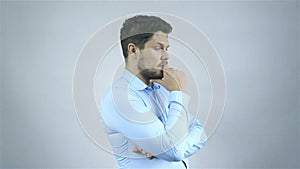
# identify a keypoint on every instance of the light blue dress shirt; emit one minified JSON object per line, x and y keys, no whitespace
{"x":154,"y":119}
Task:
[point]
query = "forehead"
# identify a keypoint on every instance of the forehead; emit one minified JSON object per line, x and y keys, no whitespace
{"x":159,"y":38}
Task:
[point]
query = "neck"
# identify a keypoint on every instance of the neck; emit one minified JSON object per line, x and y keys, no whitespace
{"x":139,"y":75}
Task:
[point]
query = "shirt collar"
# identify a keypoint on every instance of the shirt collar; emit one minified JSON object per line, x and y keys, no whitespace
{"x":136,"y":82}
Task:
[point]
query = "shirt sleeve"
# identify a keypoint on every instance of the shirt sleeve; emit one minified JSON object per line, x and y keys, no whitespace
{"x":195,"y":138}
{"x":194,"y":141}
{"x":175,"y":140}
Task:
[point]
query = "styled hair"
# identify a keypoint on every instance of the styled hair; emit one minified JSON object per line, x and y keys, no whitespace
{"x":140,"y":29}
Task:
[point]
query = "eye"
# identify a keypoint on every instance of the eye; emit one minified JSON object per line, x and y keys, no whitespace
{"x":158,"y":48}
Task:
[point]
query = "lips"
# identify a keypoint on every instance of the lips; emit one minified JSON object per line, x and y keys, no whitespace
{"x":162,"y":65}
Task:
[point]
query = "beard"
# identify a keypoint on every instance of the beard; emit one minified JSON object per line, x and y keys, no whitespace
{"x":151,"y":73}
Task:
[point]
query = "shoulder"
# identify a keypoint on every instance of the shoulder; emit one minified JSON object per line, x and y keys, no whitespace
{"x":116,"y":98}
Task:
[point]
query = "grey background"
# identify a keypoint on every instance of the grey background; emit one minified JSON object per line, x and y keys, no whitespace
{"x":258,"y":43}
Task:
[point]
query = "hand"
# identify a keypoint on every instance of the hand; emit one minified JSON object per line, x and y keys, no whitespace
{"x":173,"y":79}
{"x":139,"y":150}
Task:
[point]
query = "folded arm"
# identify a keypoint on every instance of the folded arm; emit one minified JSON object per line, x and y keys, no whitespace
{"x":175,"y":140}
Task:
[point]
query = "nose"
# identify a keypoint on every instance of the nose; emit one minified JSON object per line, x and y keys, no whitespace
{"x":164,"y":55}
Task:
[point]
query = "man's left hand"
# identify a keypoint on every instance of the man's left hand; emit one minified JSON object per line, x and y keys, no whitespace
{"x":139,"y":150}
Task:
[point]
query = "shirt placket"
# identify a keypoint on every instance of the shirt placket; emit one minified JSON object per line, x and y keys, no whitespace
{"x":158,"y":101}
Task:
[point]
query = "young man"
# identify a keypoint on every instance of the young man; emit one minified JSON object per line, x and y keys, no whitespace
{"x":145,"y":113}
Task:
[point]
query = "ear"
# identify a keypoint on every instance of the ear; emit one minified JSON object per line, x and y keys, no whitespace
{"x":132,"y":48}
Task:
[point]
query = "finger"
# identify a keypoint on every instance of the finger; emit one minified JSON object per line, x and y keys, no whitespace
{"x":136,"y":150}
{"x":166,"y":67}
{"x":169,"y":72}
{"x":143,"y":152}
{"x":150,"y":158}
{"x":148,"y":155}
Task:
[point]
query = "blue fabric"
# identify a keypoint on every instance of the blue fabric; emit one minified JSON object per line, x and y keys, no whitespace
{"x":154,"y":119}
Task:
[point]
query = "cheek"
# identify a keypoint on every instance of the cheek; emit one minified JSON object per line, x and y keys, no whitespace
{"x":155,"y":57}
{"x":150,"y":58}
{"x":144,"y":62}
{"x":156,"y":53}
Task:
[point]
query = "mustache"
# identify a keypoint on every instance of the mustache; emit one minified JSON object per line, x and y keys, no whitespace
{"x":163,"y":63}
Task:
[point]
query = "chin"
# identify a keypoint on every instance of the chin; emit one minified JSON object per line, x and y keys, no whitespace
{"x":153,"y":74}
{"x":158,"y":75}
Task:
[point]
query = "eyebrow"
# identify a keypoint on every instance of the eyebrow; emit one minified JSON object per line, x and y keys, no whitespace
{"x":161,"y":44}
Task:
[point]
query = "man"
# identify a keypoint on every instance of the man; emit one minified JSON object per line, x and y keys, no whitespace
{"x":145,"y":112}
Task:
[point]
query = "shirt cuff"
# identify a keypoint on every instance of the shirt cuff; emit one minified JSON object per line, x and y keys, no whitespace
{"x":180,"y":98}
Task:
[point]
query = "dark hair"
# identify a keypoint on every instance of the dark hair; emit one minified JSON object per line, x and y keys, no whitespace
{"x":140,"y":29}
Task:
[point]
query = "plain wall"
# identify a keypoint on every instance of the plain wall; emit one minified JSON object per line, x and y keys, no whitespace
{"x":258,"y":44}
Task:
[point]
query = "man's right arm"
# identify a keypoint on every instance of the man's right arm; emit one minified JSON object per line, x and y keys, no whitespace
{"x":175,"y":140}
